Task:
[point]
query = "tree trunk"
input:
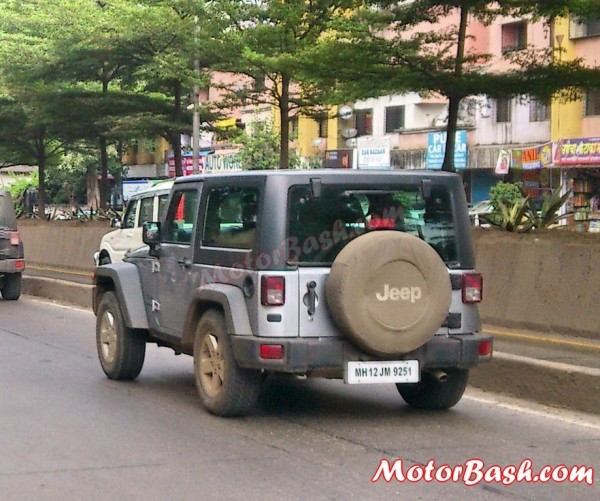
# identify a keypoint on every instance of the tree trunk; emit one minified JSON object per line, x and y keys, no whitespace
{"x":104,"y":185}
{"x":41,"y":161}
{"x":455,"y":99}
{"x":284,"y":119}
{"x":92,"y":188}
{"x":175,"y":137}
{"x":177,"y":154}
{"x":453,"y":104}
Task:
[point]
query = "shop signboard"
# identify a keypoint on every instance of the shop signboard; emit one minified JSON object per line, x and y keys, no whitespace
{"x":133,"y":186}
{"x":374,"y":157}
{"x":187,"y":164}
{"x":436,"y":148}
{"x":338,"y":159}
{"x":578,"y":151}
{"x":534,"y":157}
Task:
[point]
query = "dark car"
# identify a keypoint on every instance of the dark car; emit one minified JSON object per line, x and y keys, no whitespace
{"x":364,"y":276}
{"x":12,"y":258}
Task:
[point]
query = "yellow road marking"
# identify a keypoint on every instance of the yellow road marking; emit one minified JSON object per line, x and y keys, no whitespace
{"x":532,"y":337}
{"x":59,"y":270}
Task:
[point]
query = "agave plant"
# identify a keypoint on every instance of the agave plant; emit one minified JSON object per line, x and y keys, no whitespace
{"x":549,"y":215}
{"x":516,"y":217}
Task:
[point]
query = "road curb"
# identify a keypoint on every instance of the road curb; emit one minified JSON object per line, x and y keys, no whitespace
{"x":557,"y":385}
{"x":58,"y":290}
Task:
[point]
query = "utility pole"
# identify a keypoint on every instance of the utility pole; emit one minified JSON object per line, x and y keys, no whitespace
{"x":196,"y":124}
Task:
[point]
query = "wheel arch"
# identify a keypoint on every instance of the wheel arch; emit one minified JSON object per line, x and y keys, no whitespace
{"x":227,"y":298}
{"x":124,"y":280}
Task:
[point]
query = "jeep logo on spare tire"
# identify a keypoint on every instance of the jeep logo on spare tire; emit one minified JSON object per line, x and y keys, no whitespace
{"x":394,"y":308}
{"x":388,"y":292}
{"x":411,"y":294}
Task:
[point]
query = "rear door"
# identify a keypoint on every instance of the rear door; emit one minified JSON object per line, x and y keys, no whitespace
{"x":318,"y":229}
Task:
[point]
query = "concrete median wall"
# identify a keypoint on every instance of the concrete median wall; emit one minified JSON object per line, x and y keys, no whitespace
{"x":65,"y":245}
{"x":547,"y":281}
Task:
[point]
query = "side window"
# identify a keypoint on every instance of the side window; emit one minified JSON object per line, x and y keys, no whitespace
{"x":146,"y":206}
{"x":162,"y":203}
{"x":179,"y":224}
{"x":230,"y":219}
{"x":129,"y":219}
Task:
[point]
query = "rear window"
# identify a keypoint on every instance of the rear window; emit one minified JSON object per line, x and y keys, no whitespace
{"x":7,"y":212}
{"x":319,"y":228}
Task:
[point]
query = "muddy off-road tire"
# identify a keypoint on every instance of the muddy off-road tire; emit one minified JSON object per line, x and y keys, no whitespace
{"x":121,"y":350}
{"x":225,"y":389}
{"x":388,"y":292}
{"x":432,"y":394}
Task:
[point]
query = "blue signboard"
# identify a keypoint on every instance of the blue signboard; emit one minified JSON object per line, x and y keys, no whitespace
{"x":436,"y":147}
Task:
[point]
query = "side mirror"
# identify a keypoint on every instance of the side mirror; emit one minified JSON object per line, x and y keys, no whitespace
{"x":151,"y":236}
{"x":115,"y":222}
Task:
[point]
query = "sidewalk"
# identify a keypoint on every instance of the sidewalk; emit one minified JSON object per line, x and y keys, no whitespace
{"x":555,"y":370}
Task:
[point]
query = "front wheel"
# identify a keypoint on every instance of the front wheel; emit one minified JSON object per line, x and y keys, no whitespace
{"x":121,"y":350}
{"x":225,"y":389}
{"x":12,"y":286}
{"x":435,"y":392}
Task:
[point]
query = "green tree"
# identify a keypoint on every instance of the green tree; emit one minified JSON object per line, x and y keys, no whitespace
{"x":264,"y":41}
{"x":28,"y":136}
{"x":261,"y":148}
{"x":390,"y":46}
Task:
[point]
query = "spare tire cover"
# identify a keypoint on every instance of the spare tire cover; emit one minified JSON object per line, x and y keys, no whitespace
{"x":388,"y":292}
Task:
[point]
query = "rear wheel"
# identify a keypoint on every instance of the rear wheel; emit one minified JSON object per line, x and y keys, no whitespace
{"x":435,"y":392}
{"x":121,"y":350}
{"x":11,"y":291}
{"x":225,"y":389}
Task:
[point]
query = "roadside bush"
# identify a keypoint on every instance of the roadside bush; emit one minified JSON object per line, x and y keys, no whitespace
{"x":507,"y":193}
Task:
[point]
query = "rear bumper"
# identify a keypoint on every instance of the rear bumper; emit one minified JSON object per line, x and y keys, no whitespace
{"x":12,"y":265}
{"x":305,"y":355}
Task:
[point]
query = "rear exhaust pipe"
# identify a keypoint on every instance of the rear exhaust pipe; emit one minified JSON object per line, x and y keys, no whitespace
{"x":441,"y":376}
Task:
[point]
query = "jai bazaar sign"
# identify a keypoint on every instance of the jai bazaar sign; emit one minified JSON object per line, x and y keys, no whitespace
{"x":578,"y":151}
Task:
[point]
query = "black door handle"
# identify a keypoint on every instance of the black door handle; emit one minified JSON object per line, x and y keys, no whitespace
{"x":312,"y":297}
{"x":186,"y":262}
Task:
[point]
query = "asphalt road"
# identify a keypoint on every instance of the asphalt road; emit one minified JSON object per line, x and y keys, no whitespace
{"x":68,"y":433}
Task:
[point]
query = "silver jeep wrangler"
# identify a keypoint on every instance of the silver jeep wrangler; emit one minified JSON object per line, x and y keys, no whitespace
{"x":362,"y":275}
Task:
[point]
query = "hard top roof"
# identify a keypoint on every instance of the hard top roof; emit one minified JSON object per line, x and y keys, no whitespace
{"x":309,"y":173}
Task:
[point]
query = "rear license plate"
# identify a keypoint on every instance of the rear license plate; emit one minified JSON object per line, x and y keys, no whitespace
{"x":402,"y":371}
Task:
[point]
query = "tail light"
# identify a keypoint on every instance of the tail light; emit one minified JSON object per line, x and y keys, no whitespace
{"x":472,"y":288}
{"x":271,"y":351}
{"x":485,"y":348}
{"x":14,"y":238}
{"x":272,"y":291}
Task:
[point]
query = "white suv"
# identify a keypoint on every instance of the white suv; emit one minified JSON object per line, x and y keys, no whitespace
{"x":143,"y":206}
